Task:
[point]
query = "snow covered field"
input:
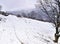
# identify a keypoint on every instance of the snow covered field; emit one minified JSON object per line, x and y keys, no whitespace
{"x":14,"y":30}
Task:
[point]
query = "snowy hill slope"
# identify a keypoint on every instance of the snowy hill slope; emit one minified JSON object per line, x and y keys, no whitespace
{"x":14,"y":30}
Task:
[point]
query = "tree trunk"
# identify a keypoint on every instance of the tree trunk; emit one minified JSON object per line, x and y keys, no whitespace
{"x":57,"y":24}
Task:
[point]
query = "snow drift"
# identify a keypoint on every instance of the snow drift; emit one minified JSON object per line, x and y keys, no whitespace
{"x":14,"y":30}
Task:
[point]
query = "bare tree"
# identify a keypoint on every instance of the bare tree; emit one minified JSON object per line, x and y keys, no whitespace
{"x":52,"y":6}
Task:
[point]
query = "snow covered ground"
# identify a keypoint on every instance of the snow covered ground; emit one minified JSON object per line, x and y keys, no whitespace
{"x":14,"y":30}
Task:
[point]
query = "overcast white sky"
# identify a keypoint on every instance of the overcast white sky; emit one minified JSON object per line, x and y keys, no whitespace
{"x":17,"y":4}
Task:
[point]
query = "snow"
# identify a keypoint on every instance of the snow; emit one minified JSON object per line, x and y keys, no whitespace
{"x":14,"y":30}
